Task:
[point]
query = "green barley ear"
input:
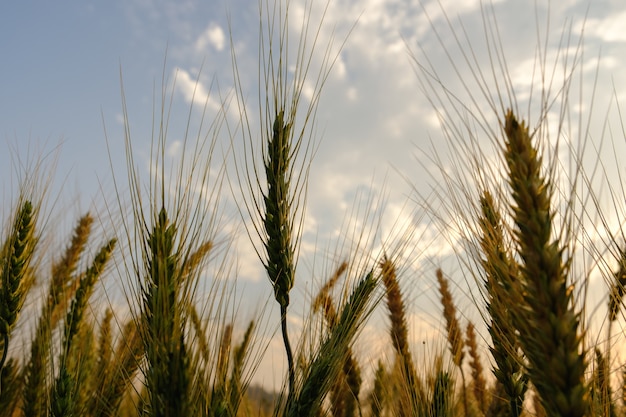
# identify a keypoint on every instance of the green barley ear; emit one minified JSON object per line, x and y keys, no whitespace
{"x":15,"y":259}
{"x":11,"y":384}
{"x":502,"y":290}
{"x":168,"y":375}
{"x":275,"y":194}
{"x":378,"y":398}
{"x":547,"y":321}
{"x":84,"y":291}
{"x":441,"y":403}
{"x":278,"y":218}
{"x":278,"y":223}
{"x":236,"y":384}
{"x":345,"y":391}
{"x":330,"y":357}
{"x":602,"y":403}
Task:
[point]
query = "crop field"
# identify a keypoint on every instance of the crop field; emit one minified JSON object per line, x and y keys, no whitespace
{"x":519,"y":194}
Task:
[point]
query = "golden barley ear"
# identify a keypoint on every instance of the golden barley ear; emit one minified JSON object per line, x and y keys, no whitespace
{"x":412,"y":400}
{"x":453,"y":331}
{"x":553,"y":347}
{"x":62,"y":285}
{"x":118,"y":376}
{"x":65,"y":397}
{"x":479,"y":383}
{"x":616,"y":294}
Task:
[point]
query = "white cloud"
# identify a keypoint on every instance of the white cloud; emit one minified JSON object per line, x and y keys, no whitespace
{"x":212,"y":36}
{"x":609,"y":28}
{"x":174,"y":148}
{"x":194,"y":91}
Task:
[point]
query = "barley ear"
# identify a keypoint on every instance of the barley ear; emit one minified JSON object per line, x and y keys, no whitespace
{"x":278,"y":224}
{"x":64,"y":397}
{"x":16,"y":256}
{"x":119,"y":374}
{"x":378,"y":397}
{"x":237,"y":384}
{"x":603,"y":394}
{"x":453,"y":331}
{"x":399,"y":337}
{"x":547,"y":321}
{"x":480,"y":385}
{"x":11,"y":383}
{"x":278,"y":216}
{"x":502,"y":290}
{"x":330,"y":357}
{"x":162,"y":331}
{"x":616,"y":294}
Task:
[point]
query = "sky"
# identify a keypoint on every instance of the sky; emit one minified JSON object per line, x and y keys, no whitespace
{"x":378,"y":127}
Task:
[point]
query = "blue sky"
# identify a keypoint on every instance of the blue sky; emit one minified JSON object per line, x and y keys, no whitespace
{"x":60,"y":83}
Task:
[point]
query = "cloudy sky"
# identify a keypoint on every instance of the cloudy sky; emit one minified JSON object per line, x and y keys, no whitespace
{"x":378,"y":122}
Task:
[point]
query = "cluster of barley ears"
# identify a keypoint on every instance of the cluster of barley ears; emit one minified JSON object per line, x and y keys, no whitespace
{"x":180,"y":348}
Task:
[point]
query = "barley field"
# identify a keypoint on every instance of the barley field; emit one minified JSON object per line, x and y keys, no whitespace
{"x":118,"y":318}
